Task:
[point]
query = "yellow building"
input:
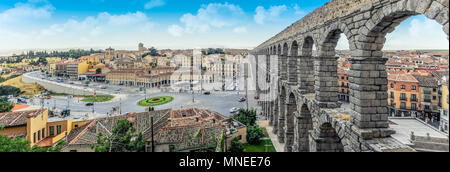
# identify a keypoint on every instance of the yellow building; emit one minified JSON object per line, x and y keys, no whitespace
{"x":33,"y":125}
{"x":51,"y":68}
{"x":25,"y":124}
{"x":444,"y":107}
{"x":91,"y":60}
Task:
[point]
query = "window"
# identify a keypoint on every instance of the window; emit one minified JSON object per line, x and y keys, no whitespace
{"x":51,"y":130}
{"x":402,"y":105}
{"x":43,"y":133}
{"x":39,"y":135}
{"x":402,"y":96}
{"x":413,"y":87}
{"x":434,"y":89}
{"x":413,"y":106}
{"x":392,"y":94}
{"x":435,"y":108}
{"x":58,"y":129}
{"x":34,"y":137}
{"x":392,"y":85}
{"x":413,"y":97}
{"x":434,"y":98}
{"x":403,"y":87}
{"x":426,"y":91}
{"x":427,"y":99}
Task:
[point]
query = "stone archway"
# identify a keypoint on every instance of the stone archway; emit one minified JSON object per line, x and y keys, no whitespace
{"x":306,"y":66}
{"x":303,"y":126}
{"x":281,"y":115}
{"x":367,"y":76}
{"x":291,"y":109}
{"x":292,"y":64}
{"x":325,"y":139}
{"x":283,"y":58}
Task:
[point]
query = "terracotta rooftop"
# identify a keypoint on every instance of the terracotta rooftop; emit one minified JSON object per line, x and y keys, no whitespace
{"x":187,"y":128}
{"x":427,"y":81}
{"x":19,"y":107}
{"x":13,"y":119}
{"x":402,"y":78}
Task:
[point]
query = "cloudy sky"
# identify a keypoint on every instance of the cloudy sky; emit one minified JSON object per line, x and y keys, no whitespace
{"x":122,"y":24}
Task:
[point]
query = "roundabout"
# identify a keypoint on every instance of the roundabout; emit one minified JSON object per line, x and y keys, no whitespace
{"x":156,"y":101}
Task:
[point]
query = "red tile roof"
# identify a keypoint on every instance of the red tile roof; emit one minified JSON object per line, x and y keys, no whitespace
{"x":13,"y":119}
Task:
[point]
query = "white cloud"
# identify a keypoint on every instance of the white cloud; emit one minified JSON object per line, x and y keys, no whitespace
{"x":240,"y":30}
{"x":154,"y":3}
{"x":26,"y":11}
{"x":270,"y":14}
{"x":214,"y":15}
{"x":175,"y":30}
{"x":419,"y":33}
{"x":101,"y":25}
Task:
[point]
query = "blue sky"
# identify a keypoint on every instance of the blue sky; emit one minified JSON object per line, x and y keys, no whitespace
{"x":31,"y":24}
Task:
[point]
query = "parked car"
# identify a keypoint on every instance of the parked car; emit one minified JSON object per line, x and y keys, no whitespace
{"x":89,"y":104}
{"x":117,"y":89}
{"x":256,"y":97}
{"x":242,"y":99}
{"x":234,"y":110}
{"x":207,"y":93}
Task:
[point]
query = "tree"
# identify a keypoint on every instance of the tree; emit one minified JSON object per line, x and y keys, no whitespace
{"x":122,"y":139}
{"x":236,"y":145}
{"x":247,"y":117}
{"x":23,"y":145}
{"x":6,"y":107}
{"x":9,"y":90}
{"x":254,"y":134}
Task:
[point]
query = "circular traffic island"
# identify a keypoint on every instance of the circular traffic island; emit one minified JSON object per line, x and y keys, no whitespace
{"x":156,"y":101}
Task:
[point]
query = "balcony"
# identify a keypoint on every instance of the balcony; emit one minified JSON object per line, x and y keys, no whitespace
{"x":414,"y":99}
{"x":403,"y":98}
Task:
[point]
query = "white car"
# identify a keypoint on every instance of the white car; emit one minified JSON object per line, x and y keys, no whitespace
{"x":234,"y":110}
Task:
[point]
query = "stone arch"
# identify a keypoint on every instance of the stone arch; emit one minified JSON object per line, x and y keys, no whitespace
{"x":370,"y":105}
{"x":283,"y":61}
{"x":303,"y":126}
{"x":279,"y":49}
{"x":325,"y":139}
{"x":306,"y":65}
{"x":292,"y":64}
{"x":372,"y":36}
{"x":291,"y":110}
{"x":307,"y":46}
{"x":281,"y":115}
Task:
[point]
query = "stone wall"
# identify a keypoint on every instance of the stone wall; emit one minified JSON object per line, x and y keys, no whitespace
{"x":60,"y":87}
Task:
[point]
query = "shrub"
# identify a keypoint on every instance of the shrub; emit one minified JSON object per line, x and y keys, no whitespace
{"x":254,"y":134}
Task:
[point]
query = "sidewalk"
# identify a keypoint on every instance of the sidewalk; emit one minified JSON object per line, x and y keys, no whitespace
{"x":278,"y":146}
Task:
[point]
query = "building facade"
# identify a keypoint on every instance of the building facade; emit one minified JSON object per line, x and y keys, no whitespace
{"x":403,"y":93}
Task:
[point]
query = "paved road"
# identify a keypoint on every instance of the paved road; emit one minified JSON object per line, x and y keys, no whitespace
{"x":128,"y":98}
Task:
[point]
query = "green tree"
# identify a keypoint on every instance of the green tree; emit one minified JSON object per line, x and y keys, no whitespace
{"x":236,"y":145}
{"x":122,"y":139}
{"x":254,"y":134}
{"x":9,"y":90}
{"x":6,"y":107}
{"x":23,"y":145}
{"x":247,"y":117}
